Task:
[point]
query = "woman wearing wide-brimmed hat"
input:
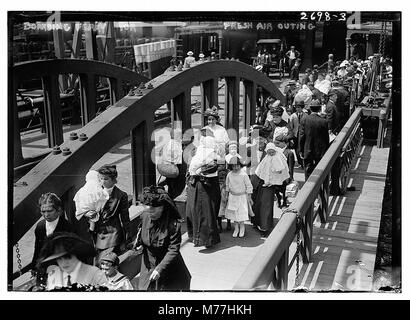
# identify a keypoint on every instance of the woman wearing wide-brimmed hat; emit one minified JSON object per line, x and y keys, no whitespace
{"x":203,"y":194}
{"x":162,"y":265}
{"x":63,"y":255}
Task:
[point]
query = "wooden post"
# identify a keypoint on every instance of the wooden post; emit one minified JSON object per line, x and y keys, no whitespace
{"x":88,"y":97}
{"x":324,"y":196}
{"x":17,"y":151}
{"x":335,"y":178}
{"x":59,"y":51}
{"x":182,"y":109}
{"x":249,"y":104}
{"x":307,"y":230}
{"x":78,"y":31}
{"x":90,"y":43}
{"x":52,"y":110}
{"x":232,"y":103}
{"x":348,"y":48}
{"x":209,"y":95}
{"x":282,"y":280}
{"x":115,"y":90}
{"x":143,"y":167}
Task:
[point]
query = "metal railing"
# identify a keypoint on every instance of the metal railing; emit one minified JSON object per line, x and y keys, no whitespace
{"x":271,"y":264}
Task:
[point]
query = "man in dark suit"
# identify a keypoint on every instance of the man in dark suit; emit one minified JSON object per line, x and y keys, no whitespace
{"x":54,"y":221}
{"x":294,"y":124}
{"x":112,"y":229}
{"x":313,"y":138}
{"x":332,"y":114}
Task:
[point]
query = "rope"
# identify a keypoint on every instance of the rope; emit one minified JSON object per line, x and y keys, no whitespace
{"x":18,"y":258}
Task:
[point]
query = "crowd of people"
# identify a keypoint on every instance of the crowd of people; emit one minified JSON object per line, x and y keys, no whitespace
{"x":220,"y":179}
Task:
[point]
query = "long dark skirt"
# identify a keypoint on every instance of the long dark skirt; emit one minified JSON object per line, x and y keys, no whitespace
{"x":263,"y":206}
{"x":202,"y":207}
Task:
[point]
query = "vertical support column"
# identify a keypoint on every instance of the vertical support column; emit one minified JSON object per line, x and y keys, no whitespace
{"x":59,"y":51}
{"x":232,"y":103}
{"x":368,"y":49}
{"x":209,"y":95}
{"x":52,"y":110}
{"x":282,"y":281}
{"x":143,"y":168}
{"x":17,"y":151}
{"x":78,"y":31}
{"x":307,"y":230}
{"x":182,"y":109}
{"x":348,"y":48}
{"x":249,"y":102}
{"x":88,"y":97}
{"x":220,"y":39}
{"x":90,"y":43}
{"x":115,"y":90}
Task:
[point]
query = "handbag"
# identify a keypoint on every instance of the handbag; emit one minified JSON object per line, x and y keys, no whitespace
{"x":168,"y":170}
{"x":130,"y":261}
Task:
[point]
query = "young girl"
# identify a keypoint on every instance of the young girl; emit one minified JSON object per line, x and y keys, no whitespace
{"x":273,"y":169}
{"x":90,"y":199}
{"x":238,"y":191}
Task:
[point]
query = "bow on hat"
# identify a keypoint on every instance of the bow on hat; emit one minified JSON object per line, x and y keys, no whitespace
{"x":277,"y":111}
{"x":212,"y":112}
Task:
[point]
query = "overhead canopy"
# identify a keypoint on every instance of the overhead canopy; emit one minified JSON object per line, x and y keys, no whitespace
{"x":269,"y":41}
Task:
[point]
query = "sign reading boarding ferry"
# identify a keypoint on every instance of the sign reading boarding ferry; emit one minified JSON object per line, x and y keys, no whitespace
{"x":269,"y":26}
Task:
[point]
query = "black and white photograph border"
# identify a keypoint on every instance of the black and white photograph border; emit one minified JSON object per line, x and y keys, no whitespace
{"x":129,"y":86}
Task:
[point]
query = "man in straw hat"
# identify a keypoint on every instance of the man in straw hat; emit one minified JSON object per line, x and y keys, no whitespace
{"x":189,"y":59}
{"x":63,"y":256}
{"x":313,"y":138}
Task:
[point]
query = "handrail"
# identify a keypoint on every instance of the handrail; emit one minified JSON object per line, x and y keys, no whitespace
{"x":111,"y":126}
{"x":261,"y":269}
{"x":31,"y":69}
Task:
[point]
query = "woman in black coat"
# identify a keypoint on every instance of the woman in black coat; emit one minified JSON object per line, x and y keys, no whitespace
{"x":162,"y":266}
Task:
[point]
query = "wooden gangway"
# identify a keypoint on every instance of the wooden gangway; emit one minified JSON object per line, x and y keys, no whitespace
{"x":344,"y":248}
{"x":338,"y":234}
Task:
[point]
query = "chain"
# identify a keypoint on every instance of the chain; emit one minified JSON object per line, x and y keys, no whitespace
{"x":298,"y":242}
{"x":298,"y":227}
{"x":18,"y":258}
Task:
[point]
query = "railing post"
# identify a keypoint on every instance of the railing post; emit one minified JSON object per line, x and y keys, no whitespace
{"x":282,"y":275}
{"x":324,"y":197}
{"x":232,"y":103}
{"x":249,"y":104}
{"x":88,"y":97}
{"x":307,"y":231}
{"x":52,"y":110}
{"x":143,"y":168}
{"x":335,"y":178}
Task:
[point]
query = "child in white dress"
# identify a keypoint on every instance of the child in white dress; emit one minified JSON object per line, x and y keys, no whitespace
{"x":238,"y":191}
{"x":273,"y":169}
{"x":90,"y":199}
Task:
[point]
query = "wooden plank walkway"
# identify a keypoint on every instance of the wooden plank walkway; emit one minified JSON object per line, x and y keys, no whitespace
{"x":345,"y":247}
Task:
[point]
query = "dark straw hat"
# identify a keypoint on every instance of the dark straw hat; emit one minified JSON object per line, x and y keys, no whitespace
{"x":212,"y":112}
{"x":60,"y":244}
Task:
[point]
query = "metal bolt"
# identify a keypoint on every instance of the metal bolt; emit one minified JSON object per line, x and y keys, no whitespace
{"x":73,"y":136}
{"x":83,"y":137}
{"x":142,"y":85}
{"x":66,"y":151}
{"x":150,"y":86}
{"x":56,"y":150}
{"x":139,"y":93}
{"x":131,"y":93}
